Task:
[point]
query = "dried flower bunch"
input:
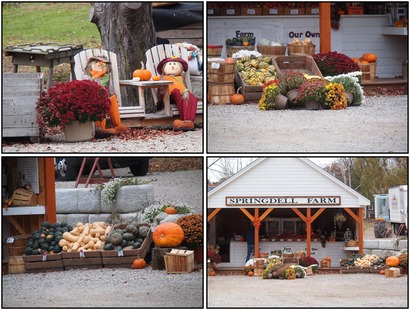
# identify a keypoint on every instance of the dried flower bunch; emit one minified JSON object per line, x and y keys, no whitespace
{"x":270,"y":93}
{"x":193,"y":229}
{"x":81,"y":101}
{"x":339,"y":217}
{"x":334,"y":63}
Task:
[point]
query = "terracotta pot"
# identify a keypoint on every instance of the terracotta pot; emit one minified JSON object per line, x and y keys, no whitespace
{"x":79,"y":132}
{"x":312,"y":105}
{"x":280,"y":103}
{"x":292,"y":94}
{"x":349,"y":97}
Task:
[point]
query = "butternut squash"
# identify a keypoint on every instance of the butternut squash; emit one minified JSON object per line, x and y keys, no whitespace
{"x":99,"y":224}
{"x":79,"y":224}
{"x":65,"y":248}
{"x":63,"y":243}
{"x":86,"y":239}
{"x":70,"y":237}
{"x":89,"y":245}
{"x":99,"y":230}
{"x":75,"y":246}
{"x":97,"y":245}
{"x":87,"y":228}
{"x":107,"y":230}
{"x":80,"y":238}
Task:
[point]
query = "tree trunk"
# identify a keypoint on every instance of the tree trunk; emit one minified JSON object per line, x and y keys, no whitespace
{"x":127,"y":29}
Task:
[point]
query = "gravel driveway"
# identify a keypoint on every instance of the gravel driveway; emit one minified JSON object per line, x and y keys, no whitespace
{"x":103,"y":288}
{"x":328,"y":291}
{"x":378,"y":125}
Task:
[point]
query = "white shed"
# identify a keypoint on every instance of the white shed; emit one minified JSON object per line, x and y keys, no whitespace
{"x":284,"y":198}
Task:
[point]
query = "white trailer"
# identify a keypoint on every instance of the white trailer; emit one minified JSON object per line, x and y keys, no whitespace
{"x":398,"y":206}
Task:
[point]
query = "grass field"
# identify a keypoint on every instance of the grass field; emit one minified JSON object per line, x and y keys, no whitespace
{"x":61,"y":23}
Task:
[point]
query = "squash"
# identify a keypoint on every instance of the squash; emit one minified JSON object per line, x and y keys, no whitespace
{"x":237,"y":98}
{"x":229,"y":60}
{"x":69,"y":237}
{"x":139,"y":263}
{"x":250,"y":273}
{"x":371,"y":58}
{"x":128,"y":236}
{"x":382,"y":272}
{"x":116,"y":238}
{"x":168,"y":235}
{"x":142,"y":74}
{"x":392,"y":261}
{"x":143,"y":232}
{"x":356,"y":59}
{"x":108,"y":246}
{"x":156,"y":78}
{"x":132,"y":229}
{"x":212,"y":273}
{"x":170,"y":210}
{"x":98,"y":230}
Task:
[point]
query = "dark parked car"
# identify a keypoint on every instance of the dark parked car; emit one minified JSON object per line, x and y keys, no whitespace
{"x":67,"y":168}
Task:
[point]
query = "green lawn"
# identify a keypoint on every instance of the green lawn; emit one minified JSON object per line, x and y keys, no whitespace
{"x":61,"y":23}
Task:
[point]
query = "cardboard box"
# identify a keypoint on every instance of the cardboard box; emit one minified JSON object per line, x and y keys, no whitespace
{"x":272,"y":11}
{"x":179,"y":261}
{"x":294,"y":11}
{"x":252,"y":11}
{"x":392,"y":272}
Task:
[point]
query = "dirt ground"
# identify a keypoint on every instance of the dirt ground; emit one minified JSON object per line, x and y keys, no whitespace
{"x":328,"y":291}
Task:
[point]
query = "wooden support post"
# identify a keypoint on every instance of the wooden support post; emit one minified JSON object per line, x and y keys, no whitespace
{"x":257,"y":224}
{"x":324,"y":27}
{"x":308,"y":230}
{"x":50,"y":190}
{"x":213,"y":213}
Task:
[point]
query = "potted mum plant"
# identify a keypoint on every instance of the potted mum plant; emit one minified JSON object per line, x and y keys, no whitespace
{"x":74,"y":107}
{"x":193,"y":230}
{"x":289,"y":82}
{"x":271,"y":97}
{"x":334,"y":63}
{"x":335,"y":97}
{"x":311,"y":94}
{"x":351,"y":83}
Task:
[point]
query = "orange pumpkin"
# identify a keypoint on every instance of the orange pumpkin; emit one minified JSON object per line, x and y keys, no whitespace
{"x":364,"y":62}
{"x":371,"y":58}
{"x":229,"y":60}
{"x":392,"y":261}
{"x":327,"y":258}
{"x":168,"y":235}
{"x":156,"y":78}
{"x":356,"y":59}
{"x":382,"y":272}
{"x":237,"y":98}
{"x":364,"y":57}
{"x":246,"y":43}
{"x":142,"y":74}
{"x":170,"y":210}
{"x":139,"y":263}
{"x":250,"y":273}
{"x":212,"y":273}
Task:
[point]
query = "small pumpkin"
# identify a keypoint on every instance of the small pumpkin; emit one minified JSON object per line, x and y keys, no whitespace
{"x":170,"y":210}
{"x":142,"y":74}
{"x":237,"y":98}
{"x":168,"y":235}
{"x":392,"y":261}
{"x":364,"y":62}
{"x":139,"y":263}
{"x":156,"y":78}
{"x":371,"y":58}
{"x":246,"y":43}
{"x":250,"y":273}
{"x":382,"y":272}
{"x":229,"y":60}
{"x":327,"y":259}
{"x":356,"y":59}
{"x":212,"y":273}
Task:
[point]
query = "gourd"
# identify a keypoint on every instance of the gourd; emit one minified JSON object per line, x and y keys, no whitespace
{"x":116,"y":238}
{"x":108,"y":246}
{"x":68,"y":236}
{"x":250,"y":273}
{"x":128,"y":236}
{"x":168,"y":235}
{"x":143,"y":231}
{"x":132,"y":229}
{"x":237,"y":98}
{"x":170,"y":210}
{"x":142,"y":74}
{"x":392,"y":261}
{"x":139,"y":263}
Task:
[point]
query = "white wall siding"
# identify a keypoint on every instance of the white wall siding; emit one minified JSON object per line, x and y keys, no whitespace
{"x":282,"y":177}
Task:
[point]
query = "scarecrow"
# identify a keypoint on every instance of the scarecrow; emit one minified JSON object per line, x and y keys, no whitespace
{"x":172,"y":69}
{"x":98,"y":69}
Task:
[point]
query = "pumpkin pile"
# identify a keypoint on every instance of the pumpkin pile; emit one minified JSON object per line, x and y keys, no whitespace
{"x":365,"y":59}
{"x":132,"y":237}
{"x":46,"y":239}
{"x":256,"y":71}
{"x":85,"y":237}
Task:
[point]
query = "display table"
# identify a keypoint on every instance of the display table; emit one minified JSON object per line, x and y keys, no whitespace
{"x":238,"y":251}
{"x":17,"y":211}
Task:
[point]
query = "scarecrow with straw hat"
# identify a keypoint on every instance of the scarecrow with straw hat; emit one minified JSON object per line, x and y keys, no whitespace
{"x":98,"y":69}
{"x":172,"y":69}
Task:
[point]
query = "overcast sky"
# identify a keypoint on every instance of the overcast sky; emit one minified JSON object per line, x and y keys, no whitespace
{"x":213,"y":175}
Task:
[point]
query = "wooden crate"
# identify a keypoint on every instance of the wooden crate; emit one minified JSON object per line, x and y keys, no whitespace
{"x":88,"y":259}
{"x":271,"y":50}
{"x":230,"y":50}
{"x":17,"y":244}
{"x":312,"y":11}
{"x":36,"y":263}
{"x":112,"y":259}
{"x":376,"y":269}
{"x":252,"y":11}
{"x":179,"y":261}
{"x":294,"y":11}
{"x":392,"y":272}
{"x":251,"y":93}
{"x":272,"y":11}
{"x":20,"y":93}
{"x":362,"y":269}
{"x":230,"y":11}
{"x":301,"y":63}
{"x":290,"y":261}
{"x":347,"y":270}
{"x":325,"y":263}
{"x":22,"y":197}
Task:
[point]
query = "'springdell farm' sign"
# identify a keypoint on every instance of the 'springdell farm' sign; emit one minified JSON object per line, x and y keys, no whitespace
{"x":233,"y":201}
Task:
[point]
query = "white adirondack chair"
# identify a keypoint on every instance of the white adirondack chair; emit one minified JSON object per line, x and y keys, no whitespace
{"x":80,"y":62}
{"x":154,"y":57}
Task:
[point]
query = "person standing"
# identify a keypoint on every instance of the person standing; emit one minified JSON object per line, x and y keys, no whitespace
{"x":250,"y":239}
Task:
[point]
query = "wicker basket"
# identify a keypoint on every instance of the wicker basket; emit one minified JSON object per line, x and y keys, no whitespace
{"x":22,"y":197}
{"x":301,"y":49}
{"x":271,"y":50}
{"x":352,"y":243}
{"x":214,"y":50}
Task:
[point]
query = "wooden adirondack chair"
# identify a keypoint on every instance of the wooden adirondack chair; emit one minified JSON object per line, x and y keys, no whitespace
{"x":80,"y":62}
{"x":154,"y":57}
